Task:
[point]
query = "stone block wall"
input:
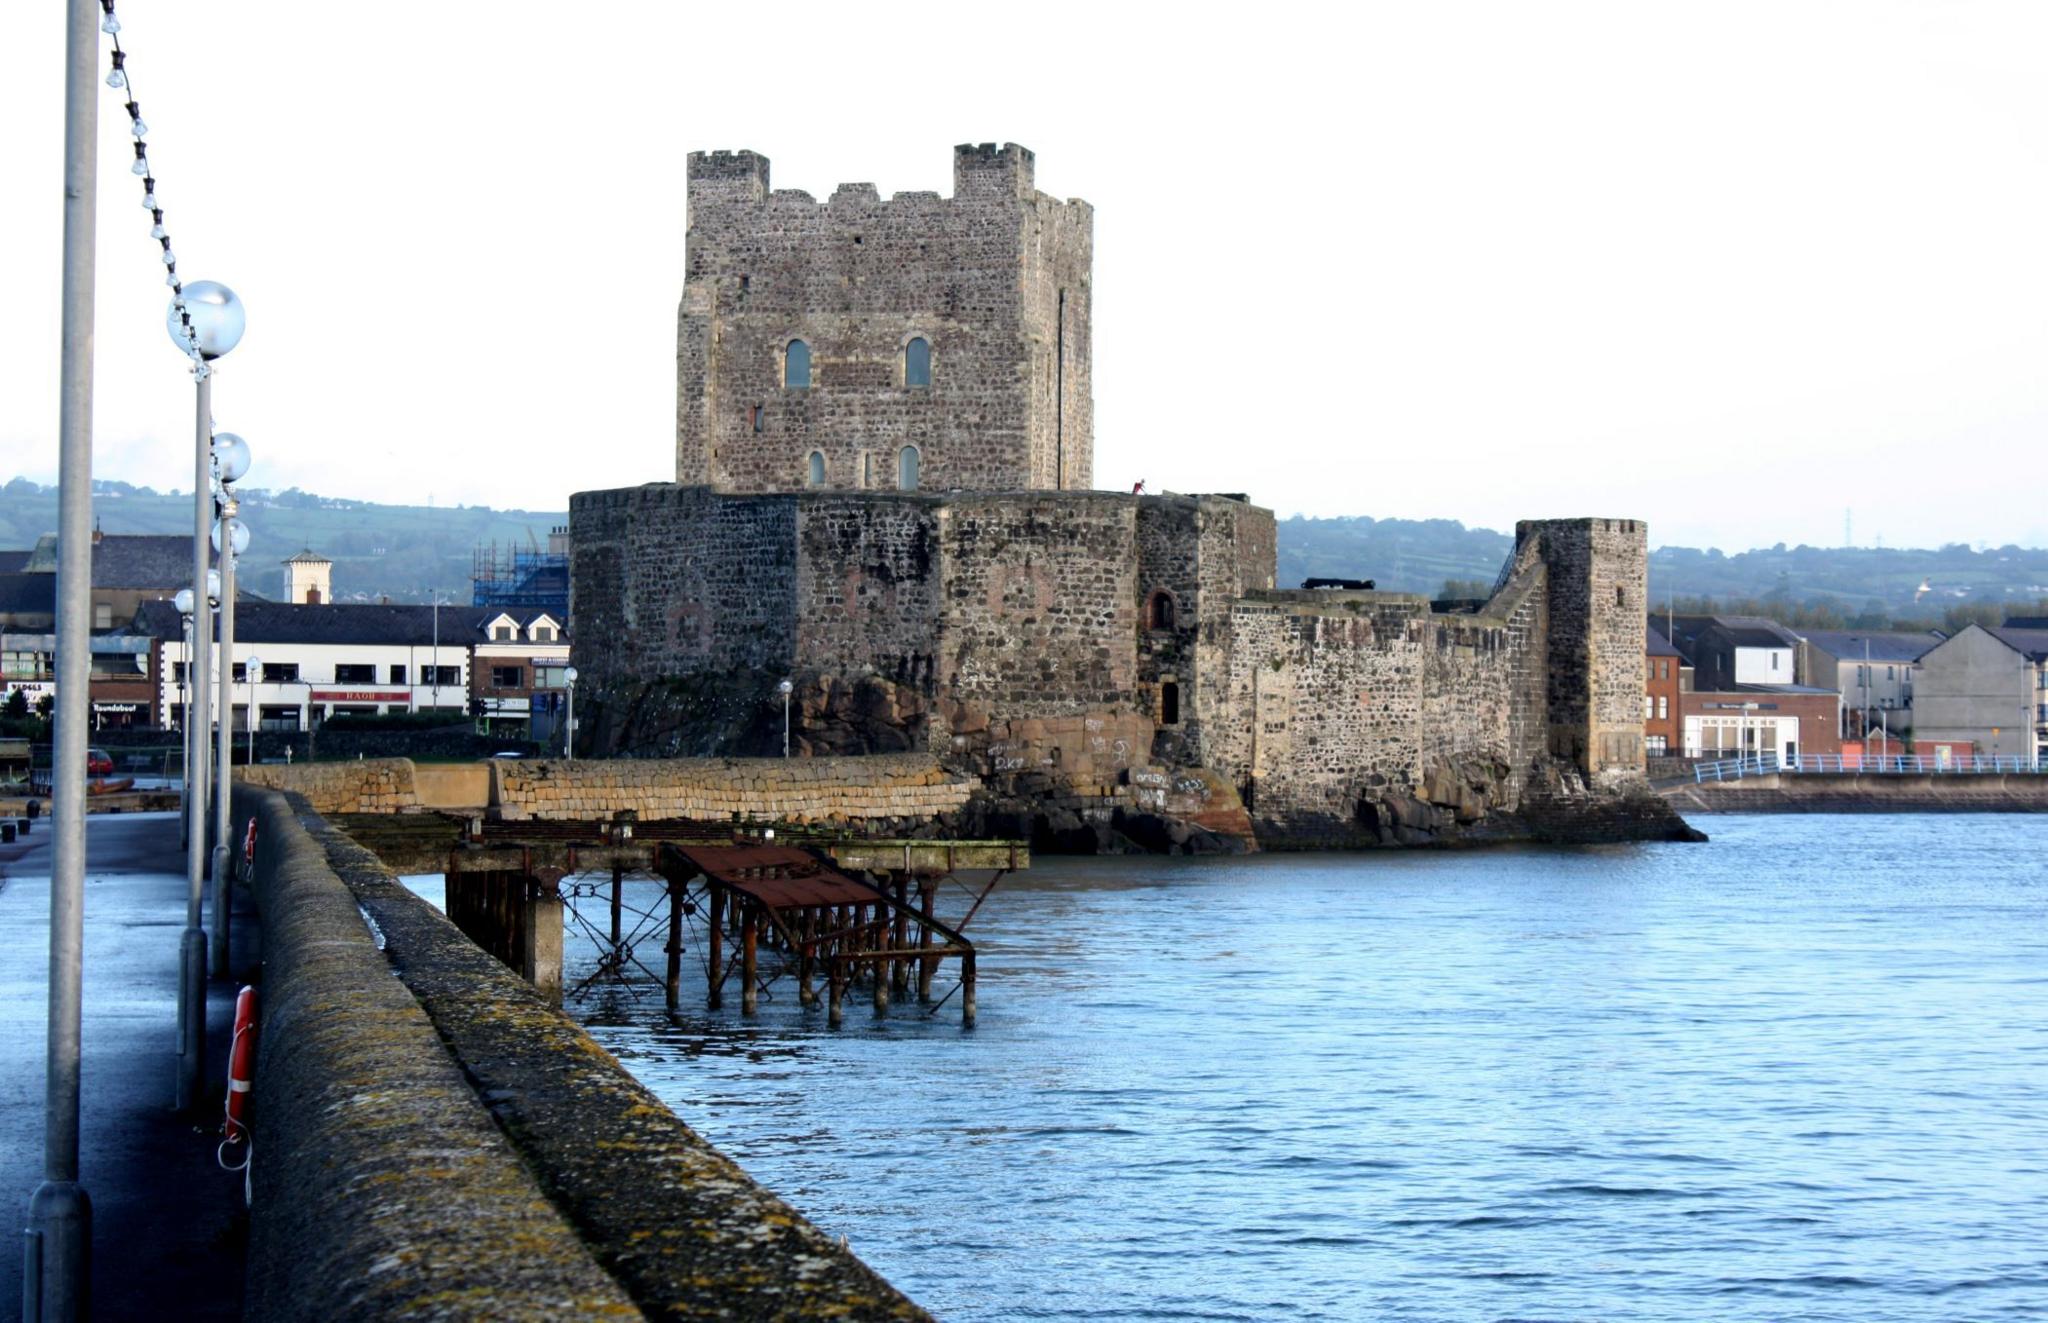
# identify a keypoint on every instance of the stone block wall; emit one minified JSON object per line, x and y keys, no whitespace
{"x":372,"y":785}
{"x":868,"y":587}
{"x":995,"y":278}
{"x":1325,"y":702}
{"x":883,"y":787}
{"x":665,"y":579}
{"x":1598,"y":578}
{"x":1041,"y":603}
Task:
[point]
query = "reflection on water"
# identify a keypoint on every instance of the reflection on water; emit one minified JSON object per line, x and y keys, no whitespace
{"x":1799,"y":1072}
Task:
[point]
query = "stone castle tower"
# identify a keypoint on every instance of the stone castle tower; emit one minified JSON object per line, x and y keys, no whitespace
{"x":917,"y":343}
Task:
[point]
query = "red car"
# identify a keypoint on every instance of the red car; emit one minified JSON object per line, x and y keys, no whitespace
{"x":97,"y":763}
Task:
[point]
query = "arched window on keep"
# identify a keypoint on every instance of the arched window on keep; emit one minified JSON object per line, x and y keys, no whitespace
{"x":815,"y":475}
{"x":909,"y":468}
{"x":796,"y":365}
{"x":917,"y":363}
{"x":1162,"y":610}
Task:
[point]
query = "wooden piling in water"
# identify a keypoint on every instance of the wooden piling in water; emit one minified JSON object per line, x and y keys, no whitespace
{"x":899,"y":970}
{"x":750,"y":937}
{"x":715,"y":948}
{"x":672,"y":974}
{"x":927,"y":966}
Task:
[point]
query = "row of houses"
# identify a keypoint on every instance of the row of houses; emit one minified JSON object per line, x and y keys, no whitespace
{"x":1718,"y":686}
{"x":296,"y":663}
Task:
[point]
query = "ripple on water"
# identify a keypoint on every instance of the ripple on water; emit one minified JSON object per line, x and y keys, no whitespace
{"x":1792,"y":1073}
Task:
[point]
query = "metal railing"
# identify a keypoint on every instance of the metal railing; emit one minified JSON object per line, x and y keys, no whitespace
{"x":1907,"y":764}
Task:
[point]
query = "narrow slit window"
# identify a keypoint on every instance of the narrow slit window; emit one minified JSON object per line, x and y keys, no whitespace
{"x":758,"y":418}
{"x":796,"y":366}
{"x":1169,"y":704}
{"x":909,"y":468}
{"x":917,"y":363}
{"x":815,"y":475}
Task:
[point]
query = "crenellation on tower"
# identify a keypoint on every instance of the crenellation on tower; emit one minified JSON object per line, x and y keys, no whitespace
{"x":919,"y":343}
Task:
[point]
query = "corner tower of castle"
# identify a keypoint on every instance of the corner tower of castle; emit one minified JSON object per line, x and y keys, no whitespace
{"x":941,"y":343}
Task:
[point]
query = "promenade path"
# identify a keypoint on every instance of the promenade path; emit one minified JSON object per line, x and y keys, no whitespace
{"x":168,"y":1223}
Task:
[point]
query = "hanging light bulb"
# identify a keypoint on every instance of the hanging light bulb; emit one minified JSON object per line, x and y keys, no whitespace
{"x":172,"y":280}
{"x":149,"y":200}
{"x":138,"y":128}
{"x":110,"y":25}
{"x":157,"y":231}
{"x":117,"y":78}
{"x":170,"y":258}
{"x":141,"y":166}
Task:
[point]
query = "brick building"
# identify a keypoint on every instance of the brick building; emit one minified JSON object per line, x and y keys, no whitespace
{"x":1663,"y":678}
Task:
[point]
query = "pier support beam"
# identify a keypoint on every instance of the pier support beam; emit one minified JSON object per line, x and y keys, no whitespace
{"x":750,"y":939}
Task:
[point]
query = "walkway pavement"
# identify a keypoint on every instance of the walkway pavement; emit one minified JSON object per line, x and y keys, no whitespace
{"x":168,"y":1224}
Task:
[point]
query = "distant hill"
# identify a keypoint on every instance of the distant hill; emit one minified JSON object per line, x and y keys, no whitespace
{"x":1877,"y":584}
{"x":405,"y":552}
{"x":409,"y":552}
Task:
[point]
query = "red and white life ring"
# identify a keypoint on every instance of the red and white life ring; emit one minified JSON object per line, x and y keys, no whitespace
{"x":241,"y":1067}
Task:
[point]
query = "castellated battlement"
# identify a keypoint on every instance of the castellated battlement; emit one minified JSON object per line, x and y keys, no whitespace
{"x":866,"y":343}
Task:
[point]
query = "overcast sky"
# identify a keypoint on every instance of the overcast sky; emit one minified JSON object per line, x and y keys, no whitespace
{"x":1729,"y":267}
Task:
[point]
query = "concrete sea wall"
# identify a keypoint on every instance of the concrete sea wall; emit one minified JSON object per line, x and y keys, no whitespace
{"x":1853,"y":793}
{"x":442,"y":1144}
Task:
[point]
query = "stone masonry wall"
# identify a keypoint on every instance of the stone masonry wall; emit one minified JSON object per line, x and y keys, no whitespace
{"x":665,"y":579}
{"x":1598,"y":589}
{"x":1041,"y":603}
{"x":1326,"y":692}
{"x":900,"y":786}
{"x":371,"y":785}
{"x":868,"y":587}
{"x":995,"y":278}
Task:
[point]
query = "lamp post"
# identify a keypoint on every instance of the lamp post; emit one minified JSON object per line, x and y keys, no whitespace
{"x":58,"y":1245}
{"x":253,"y":669}
{"x":569,"y":718}
{"x":184,"y":604}
{"x":785,"y":689}
{"x":216,"y":324}
{"x":434,"y":665}
{"x":230,"y":539}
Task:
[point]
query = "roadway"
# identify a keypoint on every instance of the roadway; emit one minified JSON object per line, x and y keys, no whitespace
{"x":168,"y":1223}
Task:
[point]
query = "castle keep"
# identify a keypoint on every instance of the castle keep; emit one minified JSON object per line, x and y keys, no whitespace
{"x":884,"y":463}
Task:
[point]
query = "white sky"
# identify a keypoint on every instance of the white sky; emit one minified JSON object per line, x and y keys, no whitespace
{"x":1730,"y":267}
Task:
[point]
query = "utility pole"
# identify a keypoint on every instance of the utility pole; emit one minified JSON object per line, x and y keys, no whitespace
{"x":58,"y":1248}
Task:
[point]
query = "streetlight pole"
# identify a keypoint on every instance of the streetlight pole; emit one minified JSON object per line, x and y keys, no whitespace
{"x":785,"y":689}
{"x":192,"y":944}
{"x":205,"y":320}
{"x":569,"y":718}
{"x":59,"y":1233}
{"x":252,"y":670}
{"x":184,"y":604}
{"x":231,"y":536}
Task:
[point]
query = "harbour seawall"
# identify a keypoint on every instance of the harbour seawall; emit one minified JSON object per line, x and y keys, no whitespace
{"x":1851,"y":792}
{"x":433,"y":1140}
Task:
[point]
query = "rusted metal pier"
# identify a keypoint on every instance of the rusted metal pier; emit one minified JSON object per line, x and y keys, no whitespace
{"x":759,"y":903}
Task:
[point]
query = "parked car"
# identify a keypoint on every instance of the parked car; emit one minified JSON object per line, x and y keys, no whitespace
{"x":97,"y":763}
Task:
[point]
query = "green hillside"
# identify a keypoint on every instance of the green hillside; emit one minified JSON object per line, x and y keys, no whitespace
{"x":408,"y":552}
{"x":405,"y":552}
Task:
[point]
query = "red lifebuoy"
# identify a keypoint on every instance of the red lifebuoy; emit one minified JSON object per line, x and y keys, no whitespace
{"x":241,"y":1066}
{"x":249,"y":844}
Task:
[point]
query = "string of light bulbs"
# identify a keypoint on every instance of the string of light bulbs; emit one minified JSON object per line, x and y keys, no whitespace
{"x":138,"y":129}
